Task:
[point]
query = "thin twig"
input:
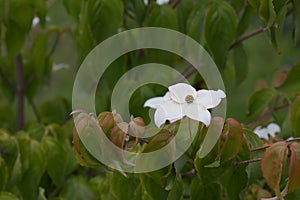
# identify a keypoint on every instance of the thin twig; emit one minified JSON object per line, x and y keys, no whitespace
{"x":260,"y":148}
{"x":20,"y":92}
{"x":247,"y":36}
{"x":247,"y":161}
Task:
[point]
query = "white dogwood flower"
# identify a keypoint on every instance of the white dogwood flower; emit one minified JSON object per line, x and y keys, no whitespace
{"x":271,"y":129}
{"x":183,"y":100}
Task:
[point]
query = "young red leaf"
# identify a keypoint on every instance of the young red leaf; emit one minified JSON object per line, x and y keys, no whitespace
{"x":272,"y":165}
{"x":294,"y":171}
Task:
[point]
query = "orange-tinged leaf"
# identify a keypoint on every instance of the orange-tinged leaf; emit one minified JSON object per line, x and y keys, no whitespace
{"x":233,"y":140}
{"x":294,"y":171}
{"x":272,"y":165}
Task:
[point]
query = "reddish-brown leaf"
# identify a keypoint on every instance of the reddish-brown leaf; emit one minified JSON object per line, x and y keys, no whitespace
{"x":272,"y":165}
{"x":233,"y":140}
{"x":294,"y":171}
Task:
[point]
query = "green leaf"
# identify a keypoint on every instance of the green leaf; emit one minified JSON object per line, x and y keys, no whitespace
{"x":276,"y":30}
{"x":220,"y":30}
{"x":259,"y":101}
{"x":7,"y":196}
{"x":295,"y":116}
{"x":291,"y":84}
{"x":272,"y":165}
{"x":279,"y":4}
{"x":14,"y":39}
{"x":35,"y":157}
{"x":244,"y":22}
{"x":183,"y":11}
{"x":154,"y":190}
{"x":77,"y":188}
{"x":255,"y":4}
{"x":55,"y":111}
{"x":41,"y":10}
{"x":56,"y":159}
{"x":3,"y":174}
{"x":294,"y":171}
{"x":267,"y":12}
{"x":123,"y":188}
{"x":234,"y":181}
{"x":104,"y":18}
{"x":204,"y":192}
{"x":22,"y":13}
{"x":177,"y":190}
{"x":162,"y":16}
{"x":160,"y":140}
{"x":240,"y":63}
{"x":194,"y":22}
{"x":296,"y":20}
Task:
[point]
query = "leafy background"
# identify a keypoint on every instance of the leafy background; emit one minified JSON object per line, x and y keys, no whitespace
{"x":254,"y":43}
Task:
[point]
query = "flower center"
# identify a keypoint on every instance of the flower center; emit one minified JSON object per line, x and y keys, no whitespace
{"x":189,"y":99}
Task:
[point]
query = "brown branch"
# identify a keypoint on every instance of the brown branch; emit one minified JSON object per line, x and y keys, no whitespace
{"x":247,"y":161}
{"x":260,"y":148}
{"x":247,"y":36}
{"x":20,"y":92}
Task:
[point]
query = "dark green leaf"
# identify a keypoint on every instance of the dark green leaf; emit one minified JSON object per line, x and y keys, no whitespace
{"x":194,"y":22}
{"x":123,"y":188}
{"x":205,"y":192}
{"x":56,"y":159}
{"x":162,"y":16}
{"x":291,"y":84}
{"x":3,"y":174}
{"x":34,"y":157}
{"x":267,"y":12}
{"x":220,"y":30}
{"x":259,"y":101}
{"x":244,"y":21}
{"x":77,"y":188}
{"x":183,"y":11}
{"x":177,"y":190}
{"x":296,"y":19}
{"x":154,"y":190}
{"x":240,"y":63}
{"x":295,"y":116}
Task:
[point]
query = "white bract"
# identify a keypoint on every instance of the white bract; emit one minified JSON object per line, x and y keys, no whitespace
{"x":271,"y":129}
{"x":183,"y":100}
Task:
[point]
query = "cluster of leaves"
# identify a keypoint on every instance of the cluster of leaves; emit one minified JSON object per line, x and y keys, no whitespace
{"x":38,"y":162}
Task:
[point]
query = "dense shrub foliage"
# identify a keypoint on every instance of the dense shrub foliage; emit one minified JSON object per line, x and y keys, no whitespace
{"x":42,"y":46}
